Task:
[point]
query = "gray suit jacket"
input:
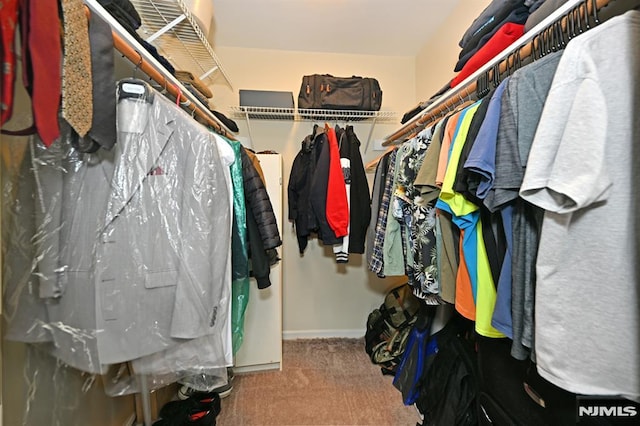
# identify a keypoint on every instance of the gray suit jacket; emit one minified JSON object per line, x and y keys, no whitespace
{"x":142,"y":236}
{"x":24,"y":313}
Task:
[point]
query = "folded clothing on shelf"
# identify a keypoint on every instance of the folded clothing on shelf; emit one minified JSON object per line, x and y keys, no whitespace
{"x":195,"y":92}
{"x":125,"y":13}
{"x":506,"y":35}
{"x":188,"y":77}
{"x":490,"y":18}
{"x":545,"y":9}
{"x":518,"y":15}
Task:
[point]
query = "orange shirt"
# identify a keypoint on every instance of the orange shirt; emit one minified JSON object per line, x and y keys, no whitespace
{"x":443,"y":160}
{"x":464,"y":293}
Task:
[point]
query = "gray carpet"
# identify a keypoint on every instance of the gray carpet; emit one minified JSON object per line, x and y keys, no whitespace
{"x":323,"y":382}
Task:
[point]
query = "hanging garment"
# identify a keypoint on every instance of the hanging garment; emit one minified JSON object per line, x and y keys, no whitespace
{"x":522,"y":104}
{"x":337,"y":206}
{"x":360,"y":208}
{"x":376,"y":263}
{"x":261,"y":220}
{"x":318,"y":195}
{"x":25,"y":314}
{"x":132,"y":259}
{"x":418,"y":221}
{"x":299,"y":190}
{"x":376,"y":198}
{"x":394,"y":250}
{"x":479,"y":168}
{"x":359,"y":201}
{"x":425,"y":258}
{"x":467,"y":217}
{"x":341,"y":251}
{"x":239,"y":249}
{"x":582,"y":169}
{"x":257,"y":200}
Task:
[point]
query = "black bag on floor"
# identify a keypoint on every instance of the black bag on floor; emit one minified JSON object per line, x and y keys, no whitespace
{"x":449,"y":386}
{"x":512,"y":392}
{"x":388,"y":328}
{"x":324,"y":91}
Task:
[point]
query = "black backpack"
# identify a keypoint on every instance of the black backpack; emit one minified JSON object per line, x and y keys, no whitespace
{"x":449,"y":387}
{"x":388,"y":328}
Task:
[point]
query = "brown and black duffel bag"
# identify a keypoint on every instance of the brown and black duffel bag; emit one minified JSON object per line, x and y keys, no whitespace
{"x":324,"y":91}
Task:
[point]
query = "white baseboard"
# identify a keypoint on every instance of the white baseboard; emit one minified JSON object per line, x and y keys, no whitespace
{"x":322,"y":334}
{"x":259,"y":367}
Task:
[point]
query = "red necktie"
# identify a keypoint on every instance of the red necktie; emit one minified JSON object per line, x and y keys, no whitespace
{"x":44,"y":51}
{"x":8,"y":18}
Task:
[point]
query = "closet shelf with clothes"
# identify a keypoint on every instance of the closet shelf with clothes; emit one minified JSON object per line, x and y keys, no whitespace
{"x":126,"y":44}
{"x":551,"y":34}
{"x":171,"y":26}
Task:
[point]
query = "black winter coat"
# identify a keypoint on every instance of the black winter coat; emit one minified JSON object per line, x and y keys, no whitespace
{"x":359,"y":198}
{"x":258,"y":202}
{"x":299,"y":190}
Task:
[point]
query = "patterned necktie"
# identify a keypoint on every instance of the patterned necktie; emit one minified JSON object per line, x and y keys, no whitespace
{"x":77,"y":94}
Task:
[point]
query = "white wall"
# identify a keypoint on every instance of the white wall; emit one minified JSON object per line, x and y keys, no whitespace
{"x":320,"y":297}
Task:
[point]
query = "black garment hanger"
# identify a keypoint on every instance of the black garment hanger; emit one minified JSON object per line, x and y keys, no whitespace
{"x":594,"y":10}
{"x":496,"y":75}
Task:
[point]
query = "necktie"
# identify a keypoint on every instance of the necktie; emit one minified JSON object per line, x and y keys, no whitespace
{"x":103,"y":129}
{"x":8,"y":18}
{"x":77,"y":94}
{"x":42,"y":58}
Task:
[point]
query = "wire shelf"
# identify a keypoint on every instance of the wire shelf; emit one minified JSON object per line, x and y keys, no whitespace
{"x":178,"y":37}
{"x":271,"y":113}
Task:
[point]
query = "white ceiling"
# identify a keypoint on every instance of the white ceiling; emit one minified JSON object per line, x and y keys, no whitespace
{"x":378,"y":27}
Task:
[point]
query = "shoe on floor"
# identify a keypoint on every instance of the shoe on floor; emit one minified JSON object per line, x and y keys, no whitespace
{"x":197,"y":401}
{"x":193,"y":417}
{"x":224,"y":391}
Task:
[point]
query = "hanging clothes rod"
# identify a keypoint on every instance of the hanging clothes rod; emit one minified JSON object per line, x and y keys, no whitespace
{"x":537,"y":40}
{"x":138,"y":55}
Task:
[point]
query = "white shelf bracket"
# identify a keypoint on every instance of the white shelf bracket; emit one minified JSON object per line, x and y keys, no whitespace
{"x":166,"y":28}
{"x":246,"y":111}
{"x":373,"y":123}
{"x":208,"y":73}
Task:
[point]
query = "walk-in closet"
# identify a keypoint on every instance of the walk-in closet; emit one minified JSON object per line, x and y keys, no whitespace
{"x":275,"y":212}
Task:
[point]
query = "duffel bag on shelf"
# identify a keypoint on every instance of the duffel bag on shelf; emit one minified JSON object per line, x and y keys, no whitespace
{"x":324,"y":91}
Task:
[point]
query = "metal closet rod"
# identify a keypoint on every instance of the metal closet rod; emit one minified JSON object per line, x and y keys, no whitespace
{"x":137,"y":57}
{"x":513,"y":57}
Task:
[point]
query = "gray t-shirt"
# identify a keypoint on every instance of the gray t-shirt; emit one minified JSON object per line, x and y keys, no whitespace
{"x":583,"y":169}
{"x":522,"y":105}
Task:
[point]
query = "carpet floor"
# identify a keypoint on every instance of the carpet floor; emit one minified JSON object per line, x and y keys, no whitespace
{"x":323,"y":382}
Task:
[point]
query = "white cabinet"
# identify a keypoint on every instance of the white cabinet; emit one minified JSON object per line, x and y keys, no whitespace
{"x":262,"y":346}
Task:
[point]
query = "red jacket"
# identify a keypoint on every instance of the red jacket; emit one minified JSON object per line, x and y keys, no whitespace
{"x":337,"y":208}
